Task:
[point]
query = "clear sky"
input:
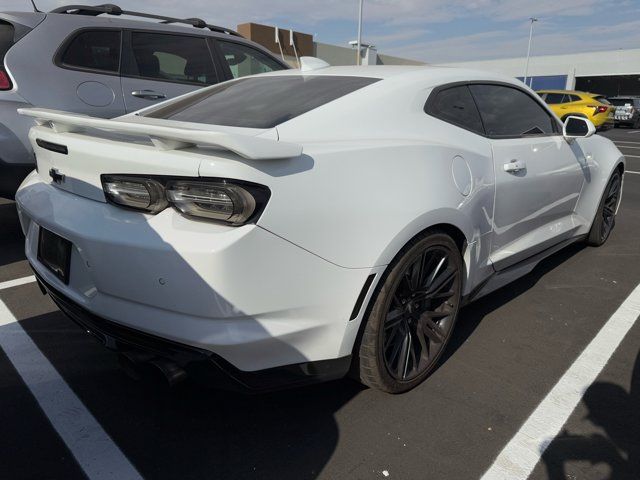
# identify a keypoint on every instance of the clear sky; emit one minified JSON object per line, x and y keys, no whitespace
{"x":428,"y":30}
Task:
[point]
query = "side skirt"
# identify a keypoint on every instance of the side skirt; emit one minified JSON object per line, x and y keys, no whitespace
{"x":504,"y":277}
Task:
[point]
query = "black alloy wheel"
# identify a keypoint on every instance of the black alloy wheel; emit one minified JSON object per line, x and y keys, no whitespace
{"x":606,"y":215}
{"x":413,"y":315}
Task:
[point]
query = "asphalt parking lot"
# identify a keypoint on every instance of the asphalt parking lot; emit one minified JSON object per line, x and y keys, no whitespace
{"x":509,"y":351}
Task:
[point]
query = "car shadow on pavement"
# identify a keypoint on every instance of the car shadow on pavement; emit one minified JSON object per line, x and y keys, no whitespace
{"x":472,"y":314}
{"x":193,"y":431}
{"x":616,"y":413}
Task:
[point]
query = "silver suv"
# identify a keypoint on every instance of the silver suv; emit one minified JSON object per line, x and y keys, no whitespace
{"x":87,"y":59}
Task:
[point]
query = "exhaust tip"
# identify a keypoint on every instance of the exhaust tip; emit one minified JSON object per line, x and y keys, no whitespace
{"x":153,"y":370}
{"x":172,"y":373}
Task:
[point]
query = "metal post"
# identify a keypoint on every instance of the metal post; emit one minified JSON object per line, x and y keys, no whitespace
{"x":526,"y":68}
{"x":358,"y":60}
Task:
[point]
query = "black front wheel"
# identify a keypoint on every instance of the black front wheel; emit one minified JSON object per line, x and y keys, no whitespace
{"x":605,"y":218}
{"x":413,"y":315}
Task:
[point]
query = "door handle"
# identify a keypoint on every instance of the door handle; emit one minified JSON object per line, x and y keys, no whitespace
{"x":148,"y":94}
{"x":515,"y":166}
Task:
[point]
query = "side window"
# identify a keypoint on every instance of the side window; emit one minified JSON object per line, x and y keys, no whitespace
{"x":575,"y":98}
{"x":554,"y":98}
{"x":455,"y":105}
{"x":174,"y":58}
{"x":243,"y":60}
{"x":510,"y":112}
{"x":95,"y":50}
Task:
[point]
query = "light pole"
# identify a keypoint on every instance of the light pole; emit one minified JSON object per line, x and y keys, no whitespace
{"x":359,"y":33}
{"x":526,"y":68}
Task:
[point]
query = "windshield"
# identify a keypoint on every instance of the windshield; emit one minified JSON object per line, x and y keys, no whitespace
{"x":260,"y":102}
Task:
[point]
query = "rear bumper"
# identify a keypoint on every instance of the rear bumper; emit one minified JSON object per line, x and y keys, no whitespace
{"x":242,"y":294}
{"x":199,"y":363}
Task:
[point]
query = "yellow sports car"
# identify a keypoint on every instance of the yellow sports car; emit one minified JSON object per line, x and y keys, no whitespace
{"x":581,"y":104}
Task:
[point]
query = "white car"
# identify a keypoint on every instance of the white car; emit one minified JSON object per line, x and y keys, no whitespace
{"x":294,"y":226}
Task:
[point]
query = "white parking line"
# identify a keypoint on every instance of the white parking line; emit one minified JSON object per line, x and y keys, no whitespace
{"x":618,"y":142}
{"x":91,"y":446}
{"x":519,"y":457}
{"x":17,"y":282}
{"x":629,"y":171}
{"x":633,"y":156}
{"x":626,"y":146}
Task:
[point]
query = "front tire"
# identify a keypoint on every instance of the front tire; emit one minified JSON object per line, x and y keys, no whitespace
{"x":413,"y":315}
{"x":605,"y":218}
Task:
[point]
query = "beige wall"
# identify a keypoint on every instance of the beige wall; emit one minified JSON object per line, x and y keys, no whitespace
{"x":332,"y":54}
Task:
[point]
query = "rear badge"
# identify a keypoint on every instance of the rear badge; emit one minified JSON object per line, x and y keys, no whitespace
{"x":56,"y":176}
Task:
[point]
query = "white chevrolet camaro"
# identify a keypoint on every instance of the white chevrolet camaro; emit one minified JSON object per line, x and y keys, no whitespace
{"x":293,"y":227}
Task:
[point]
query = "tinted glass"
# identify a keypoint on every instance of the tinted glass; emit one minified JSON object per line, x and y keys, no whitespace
{"x":509,"y":112}
{"x":174,"y":58}
{"x":602,"y":99}
{"x":455,"y":105}
{"x":6,"y":38}
{"x":260,"y":102}
{"x":554,"y":98}
{"x":97,"y":50}
{"x":621,"y":102}
{"x":575,"y":98}
{"x":243,"y":60}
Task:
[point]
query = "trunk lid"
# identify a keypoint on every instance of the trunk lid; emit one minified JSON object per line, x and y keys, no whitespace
{"x":73,"y":151}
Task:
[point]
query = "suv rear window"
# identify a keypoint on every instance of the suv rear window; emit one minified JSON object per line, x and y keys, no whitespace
{"x":602,"y":99}
{"x":6,"y":39}
{"x":94,"y":50}
{"x":243,"y":60}
{"x":256,"y":102}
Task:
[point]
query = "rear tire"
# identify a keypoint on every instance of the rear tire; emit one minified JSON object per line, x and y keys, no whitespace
{"x":605,"y":218}
{"x":413,"y":315}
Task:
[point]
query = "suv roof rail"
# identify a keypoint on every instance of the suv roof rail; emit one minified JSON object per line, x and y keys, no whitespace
{"x":110,"y":9}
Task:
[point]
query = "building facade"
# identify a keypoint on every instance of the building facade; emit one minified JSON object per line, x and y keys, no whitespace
{"x":291,"y":45}
{"x":610,"y":73}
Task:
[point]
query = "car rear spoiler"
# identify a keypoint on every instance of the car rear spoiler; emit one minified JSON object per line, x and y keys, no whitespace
{"x":168,"y":138}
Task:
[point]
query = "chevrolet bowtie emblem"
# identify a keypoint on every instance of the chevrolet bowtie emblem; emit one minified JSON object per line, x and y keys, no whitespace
{"x":56,"y":176}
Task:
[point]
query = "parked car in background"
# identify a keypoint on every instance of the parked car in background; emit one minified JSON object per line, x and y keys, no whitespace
{"x":565,"y":103}
{"x":627,"y":111}
{"x":285,"y":228}
{"x":89,"y":60}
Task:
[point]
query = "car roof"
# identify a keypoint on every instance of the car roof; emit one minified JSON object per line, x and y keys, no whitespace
{"x":119,"y":21}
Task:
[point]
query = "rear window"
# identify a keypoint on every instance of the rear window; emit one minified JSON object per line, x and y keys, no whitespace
{"x":602,"y":99}
{"x":94,"y":50}
{"x":6,"y":39}
{"x":256,"y":102}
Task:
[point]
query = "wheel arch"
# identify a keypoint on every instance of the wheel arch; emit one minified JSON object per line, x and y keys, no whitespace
{"x":448,"y":220}
{"x":453,"y":230}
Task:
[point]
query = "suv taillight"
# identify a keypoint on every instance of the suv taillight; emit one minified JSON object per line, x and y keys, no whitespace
{"x":5,"y":81}
{"x":600,"y":109}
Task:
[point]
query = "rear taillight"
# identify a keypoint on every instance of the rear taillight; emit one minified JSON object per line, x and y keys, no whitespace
{"x":220,"y":200}
{"x":5,"y":81}
{"x":600,"y":109}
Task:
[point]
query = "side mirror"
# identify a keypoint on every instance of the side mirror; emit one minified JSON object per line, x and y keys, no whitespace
{"x":578,"y":127}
